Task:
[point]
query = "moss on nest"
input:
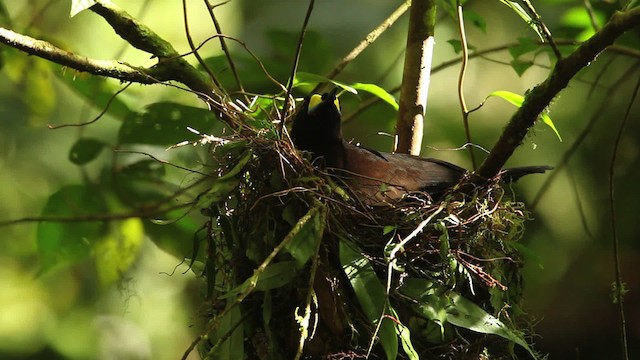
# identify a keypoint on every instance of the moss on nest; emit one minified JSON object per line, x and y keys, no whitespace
{"x":296,"y":267}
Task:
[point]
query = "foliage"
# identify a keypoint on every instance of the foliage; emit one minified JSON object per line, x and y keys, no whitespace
{"x":292,"y":264}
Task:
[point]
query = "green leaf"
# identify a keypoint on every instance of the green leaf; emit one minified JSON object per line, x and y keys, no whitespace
{"x":475,"y":18}
{"x":517,"y":100}
{"x":377,"y":91}
{"x":456,"y":45}
{"x":520,"y":66}
{"x":304,"y":78}
{"x":166,"y":123}
{"x":274,"y":276}
{"x":78,"y":6}
{"x":405,"y":339}
{"x":308,"y":232}
{"x":525,"y":45}
{"x":370,"y":294}
{"x":118,"y":251}
{"x":61,"y":243}
{"x":464,"y":313}
{"x":97,"y":91}
{"x":85,"y":150}
{"x":577,"y":17}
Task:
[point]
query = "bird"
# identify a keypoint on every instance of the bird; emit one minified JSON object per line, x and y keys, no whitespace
{"x":375,"y":177}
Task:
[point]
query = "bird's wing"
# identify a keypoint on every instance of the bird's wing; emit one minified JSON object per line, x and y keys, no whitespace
{"x":388,"y":177}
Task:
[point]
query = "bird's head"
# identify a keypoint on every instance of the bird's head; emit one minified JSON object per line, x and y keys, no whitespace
{"x":318,"y":123}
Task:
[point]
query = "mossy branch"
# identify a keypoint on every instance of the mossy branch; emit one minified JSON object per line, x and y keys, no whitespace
{"x":539,"y":98}
{"x":171,"y":65}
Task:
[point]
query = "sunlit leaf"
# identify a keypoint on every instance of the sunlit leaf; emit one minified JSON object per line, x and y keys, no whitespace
{"x":62,"y":243}
{"x":78,"y":6}
{"x":464,"y":313}
{"x":303,"y":78}
{"x":517,"y":100}
{"x":405,"y":339}
{"x":166,"y":123}
{"x":578,"y":17}
{"x":85,"y":150}
{"x":117,"y":252}
{"x":370,"y":294}
{"x":377,"y":91}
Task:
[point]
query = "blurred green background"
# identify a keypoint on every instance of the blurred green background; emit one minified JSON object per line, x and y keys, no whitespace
{"x":72,"y":312}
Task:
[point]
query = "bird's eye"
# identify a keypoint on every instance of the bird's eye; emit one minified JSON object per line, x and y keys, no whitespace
{"x":314,"y":101}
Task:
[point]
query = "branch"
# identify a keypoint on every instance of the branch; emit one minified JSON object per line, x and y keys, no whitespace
{"x":110,"y":68}
{"x":541,"y":96}
{"x":415,"y":79}
{"x":171,"y":66}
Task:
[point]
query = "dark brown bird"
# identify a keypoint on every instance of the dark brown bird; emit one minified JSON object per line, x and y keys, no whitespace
{"x":374,"y":176}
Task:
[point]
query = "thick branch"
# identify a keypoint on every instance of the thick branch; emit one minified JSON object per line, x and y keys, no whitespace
{"x":541,"y":96}
{"x":416,"y":73}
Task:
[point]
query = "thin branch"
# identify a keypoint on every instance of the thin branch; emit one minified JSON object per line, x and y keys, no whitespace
{"x":194,"y":51}
{"x":541,"y":96}
{"x":368,"y":40}
{"x":463,"y":70}
{"x":592,"y":14}
{"x":619,"y":291}
{"x":225,"y":49}
{"x":94,"y":217}
{"x":43,"y":49}
{"x":104,"y":111}
{"x":294,"y":67}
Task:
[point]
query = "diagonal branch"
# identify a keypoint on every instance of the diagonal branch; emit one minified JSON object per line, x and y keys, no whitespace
{"x":541,"y":96}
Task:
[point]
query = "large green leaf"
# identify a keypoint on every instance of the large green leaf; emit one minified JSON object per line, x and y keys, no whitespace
{"x":464,"y":313}
{"x":370,"y":294}
{"x":60,"y":243}
{"x":166,"y":123}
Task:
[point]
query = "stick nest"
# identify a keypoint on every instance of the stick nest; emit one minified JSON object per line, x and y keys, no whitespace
{"x":297,"y":267}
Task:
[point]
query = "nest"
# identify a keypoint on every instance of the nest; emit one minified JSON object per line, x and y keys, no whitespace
{"x":297,"y":267}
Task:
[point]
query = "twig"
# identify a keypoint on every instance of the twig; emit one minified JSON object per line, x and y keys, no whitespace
{"x":187,"y":32}
{"x":294,"y":68}
{"x":225,"y":49}
{"x":463,"y":70}
{"x":368,"y":40}
{"x":104,"y":111}
{"x":541,"y":96}
{"x":619,"y":291}
{"x":592,"y":14}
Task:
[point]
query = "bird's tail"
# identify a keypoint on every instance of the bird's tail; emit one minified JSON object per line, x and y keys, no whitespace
{"x":513,"y":174}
